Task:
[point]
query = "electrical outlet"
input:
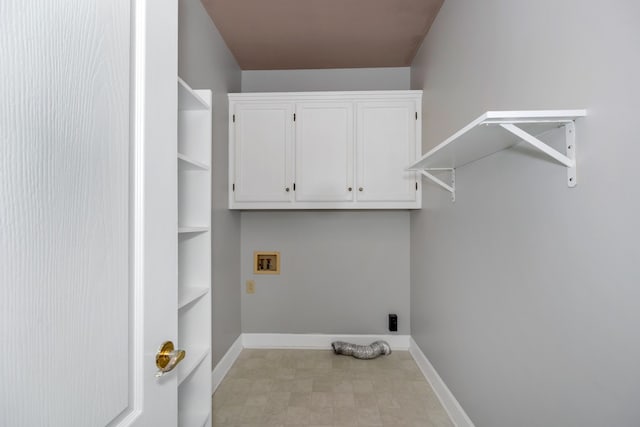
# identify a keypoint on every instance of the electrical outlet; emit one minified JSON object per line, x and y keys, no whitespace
{"x":251,"y":287}
{"x":393,"y":322}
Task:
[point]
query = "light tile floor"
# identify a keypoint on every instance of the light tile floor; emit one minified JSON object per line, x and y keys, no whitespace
{"x":290,"y":388}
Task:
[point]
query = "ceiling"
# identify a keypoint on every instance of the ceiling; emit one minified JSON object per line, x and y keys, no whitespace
{"x":310,"y":34}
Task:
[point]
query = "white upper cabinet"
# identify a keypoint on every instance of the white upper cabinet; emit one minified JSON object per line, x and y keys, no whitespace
{"x":263,"y":151}
{"x":386,"y":139}
{"x":324,"y":150}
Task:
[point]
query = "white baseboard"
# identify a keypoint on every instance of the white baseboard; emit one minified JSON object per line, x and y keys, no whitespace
{"x":448,"y":401}
{"x":319,"y":341}
{"x":222,"y":368}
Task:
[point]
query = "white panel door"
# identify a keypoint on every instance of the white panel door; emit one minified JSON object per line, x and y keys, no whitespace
{"x":263,"y":152}
{"x":87,"y":211}
{"x":324,"y":151}
{"x":386,"y":144}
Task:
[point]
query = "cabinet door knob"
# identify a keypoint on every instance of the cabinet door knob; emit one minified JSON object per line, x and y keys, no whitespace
{"x":286,"y":189}
{"x":360,"y":189}
{"x":350,"y":188}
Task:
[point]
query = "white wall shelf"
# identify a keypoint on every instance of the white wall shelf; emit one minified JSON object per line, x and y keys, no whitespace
{"x":188,"y":99}
{"x":495,"y":131}
{"x":187,"y":295}
{"x":194,"y":398}
{"x":198,"y":419}
{"x":188,"y":365}
{"x":187,"y":163}
{"x":183,"y":230}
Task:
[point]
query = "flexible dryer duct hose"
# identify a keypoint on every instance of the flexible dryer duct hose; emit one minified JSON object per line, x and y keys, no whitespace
{"x":375,"y":349}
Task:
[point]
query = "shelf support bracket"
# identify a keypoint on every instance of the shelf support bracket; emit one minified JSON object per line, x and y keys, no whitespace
{"x":570,"y":141}
{"x":450,"y":188}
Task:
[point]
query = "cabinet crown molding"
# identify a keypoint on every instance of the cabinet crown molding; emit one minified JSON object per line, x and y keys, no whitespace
{"x":331,"y":96}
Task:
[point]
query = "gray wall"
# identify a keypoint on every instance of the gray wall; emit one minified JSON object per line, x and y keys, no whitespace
{"x":341,"y":272}
{"x":369,"y":250}
{"x":525,"y":293}
{"x":206,"y":63}
{"x":397,"y":78}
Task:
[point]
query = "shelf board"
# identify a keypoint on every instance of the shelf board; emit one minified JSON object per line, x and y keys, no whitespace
{"x":190,"y":363}
{"x":187,"y":295}
{"x":184,"y":230}
{"x":484,"y":136}
{"x":197,"y":419}
{"x":187,"y":163}
{"x":206,"y":420}
{"x":188,"y":99}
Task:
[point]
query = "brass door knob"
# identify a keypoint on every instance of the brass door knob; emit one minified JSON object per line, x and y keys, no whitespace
{"x":168,"y":358}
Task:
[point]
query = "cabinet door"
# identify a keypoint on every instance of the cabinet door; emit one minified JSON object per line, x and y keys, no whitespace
{"x":386,"y":145}
{"x":324,"y":152}
{"x":263,"y":152}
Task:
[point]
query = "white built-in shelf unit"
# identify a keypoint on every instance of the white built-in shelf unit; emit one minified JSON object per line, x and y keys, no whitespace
{"x":495,"y":131}
{"x":194,"y":255}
